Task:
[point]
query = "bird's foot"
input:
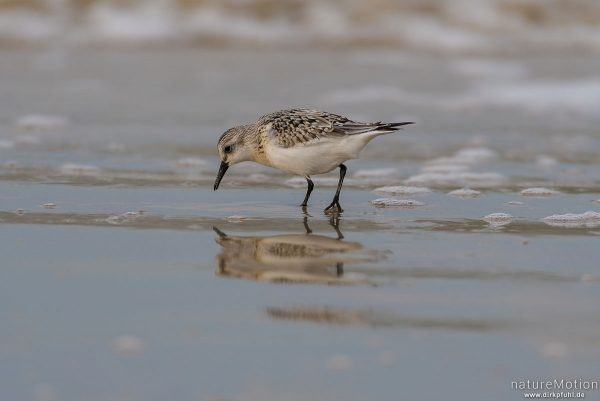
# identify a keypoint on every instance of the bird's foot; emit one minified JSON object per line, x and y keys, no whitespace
{"x":334,"y":208}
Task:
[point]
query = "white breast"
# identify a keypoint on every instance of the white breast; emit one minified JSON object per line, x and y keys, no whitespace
{"x":318,"y":157}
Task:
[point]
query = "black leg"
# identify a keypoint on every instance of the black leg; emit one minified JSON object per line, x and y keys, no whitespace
{"x":336,"y":199}
{"x":308,"y":191}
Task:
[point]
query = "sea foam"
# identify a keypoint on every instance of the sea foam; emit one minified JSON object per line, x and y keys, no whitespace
{"x":498,"y":219}
{"x":539,"y":191}
{"x":403,"y":190}
{"x":408,"y":203}
{"x":465,"y":193}
{"x":587,"y":219}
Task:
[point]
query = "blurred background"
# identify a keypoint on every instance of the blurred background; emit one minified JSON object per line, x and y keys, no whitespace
{"x":486,"y":26}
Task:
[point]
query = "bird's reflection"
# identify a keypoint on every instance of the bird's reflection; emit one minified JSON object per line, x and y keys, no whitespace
{"x":382,"y":318}
{"x":291,"y":258}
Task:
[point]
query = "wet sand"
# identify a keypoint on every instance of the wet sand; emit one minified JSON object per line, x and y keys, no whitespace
{"x":124,"y":276}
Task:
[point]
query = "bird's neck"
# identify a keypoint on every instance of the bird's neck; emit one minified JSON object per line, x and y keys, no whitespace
{"x":256,"y":142}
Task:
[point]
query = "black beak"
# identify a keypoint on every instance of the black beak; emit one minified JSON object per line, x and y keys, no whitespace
{"x":220,"y":233}
{"x":221,"y":173}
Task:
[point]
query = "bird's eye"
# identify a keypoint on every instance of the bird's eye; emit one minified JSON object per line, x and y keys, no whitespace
{"x":227,"y":149}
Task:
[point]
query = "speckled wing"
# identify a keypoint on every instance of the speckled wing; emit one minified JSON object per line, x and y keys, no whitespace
{"x":300,"y":127}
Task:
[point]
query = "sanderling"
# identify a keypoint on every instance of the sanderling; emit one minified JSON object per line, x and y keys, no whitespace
{"x":301,"y":142}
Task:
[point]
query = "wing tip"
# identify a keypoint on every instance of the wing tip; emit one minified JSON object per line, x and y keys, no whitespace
{"x":393,"y":125}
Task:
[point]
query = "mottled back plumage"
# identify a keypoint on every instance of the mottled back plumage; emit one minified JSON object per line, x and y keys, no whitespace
{"x":302,"y":126}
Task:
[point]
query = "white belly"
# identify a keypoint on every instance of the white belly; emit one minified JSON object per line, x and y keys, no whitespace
{"x":318,"y":157}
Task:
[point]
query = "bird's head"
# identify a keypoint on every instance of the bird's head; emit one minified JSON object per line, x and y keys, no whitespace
{"x":233,"y":148}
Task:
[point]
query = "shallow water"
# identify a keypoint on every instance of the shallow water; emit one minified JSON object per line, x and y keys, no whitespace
{"x":124,"y":276}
